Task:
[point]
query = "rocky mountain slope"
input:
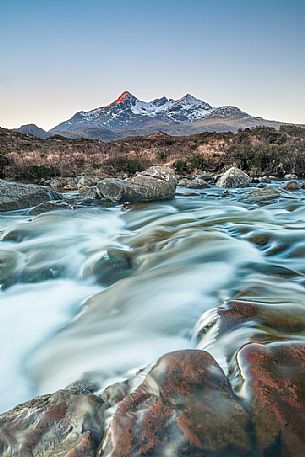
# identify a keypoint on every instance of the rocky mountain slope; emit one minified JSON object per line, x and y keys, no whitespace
{"x":129,"y":116}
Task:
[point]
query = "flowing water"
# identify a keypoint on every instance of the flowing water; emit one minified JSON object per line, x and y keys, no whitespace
{"x":107,"y":291}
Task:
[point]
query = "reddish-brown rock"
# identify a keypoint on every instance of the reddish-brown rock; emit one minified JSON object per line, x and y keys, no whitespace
{"x":184,"y":407}
{"x":52,"y":425}
{"x":274,"y":377}
{"x":282,"y":318}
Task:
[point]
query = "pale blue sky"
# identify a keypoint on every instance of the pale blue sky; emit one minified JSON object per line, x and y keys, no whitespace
{"x":63,"y":56}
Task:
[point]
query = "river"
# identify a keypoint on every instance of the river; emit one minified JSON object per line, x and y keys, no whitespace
{"x":107,"y":290}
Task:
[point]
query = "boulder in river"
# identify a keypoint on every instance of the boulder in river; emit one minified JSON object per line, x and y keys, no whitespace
{"x":234,"y":177}
{"x":275,"y":385}
{"x":184,"y":407}
{"x":69,"y":422}
{"x":156,"y":183}
{"x":196,"y":183}
{"x":292,"y":186}
{"x":262,"y":196}
{"x":15,"y":195}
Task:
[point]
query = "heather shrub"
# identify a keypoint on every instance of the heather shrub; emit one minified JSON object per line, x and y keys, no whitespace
{"x":38,"y":172}
{"x":123,"y":164}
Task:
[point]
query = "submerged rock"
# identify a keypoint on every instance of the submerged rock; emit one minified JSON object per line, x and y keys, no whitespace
{"x":184,"y":407}
{"x":49,"y":206}
{"x":15,"y":195}
{"x":234,"y":177}
{"x":156,"y":183}
{"x":8,"y":265}
{"x":112,"y":267}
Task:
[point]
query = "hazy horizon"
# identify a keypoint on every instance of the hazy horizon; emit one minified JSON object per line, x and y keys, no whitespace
{"x":62,"y":57}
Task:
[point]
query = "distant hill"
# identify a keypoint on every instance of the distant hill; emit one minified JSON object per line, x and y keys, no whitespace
{"x":32,"y":129}
{"x":129,"y":116}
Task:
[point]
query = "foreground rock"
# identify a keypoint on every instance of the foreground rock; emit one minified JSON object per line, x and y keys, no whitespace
{"x":156,"y":183}
{"x":234,"y":177}
{"x":15,"y":195}
{"x":184,"y":407}
{"x":68,"y":423}
{"x":275,"y":385}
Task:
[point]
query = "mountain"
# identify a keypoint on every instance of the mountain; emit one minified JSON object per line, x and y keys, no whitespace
{"x":129,"y":116}
{"x":33,"y":130}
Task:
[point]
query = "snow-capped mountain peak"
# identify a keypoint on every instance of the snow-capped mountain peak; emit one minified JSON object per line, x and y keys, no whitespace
{"x":129,"y":114}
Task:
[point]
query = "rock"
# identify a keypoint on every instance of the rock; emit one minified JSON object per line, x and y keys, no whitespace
{"x":184,"y":181}
{"x":8,"y":266}
{"x":292,"y":186}
{"x":275,"y":384}
{"x":205,"y":176}
{"x":265,"y":179}
{"x":290,"y":177}
{"x":156,"y":183}
{"x":262,"y":321}
{"x":88,"y":191}
{"x":261,"y":185}
{"x":196,"y":183}
{"x":188,"y":194}
{"x":49,"y":206}
{"x":86,"y":181}
{"x":115,"y":265}
{"x":111,"y":189}
{"x":64,"y":183}
{"x":262,"y":196}
{"x":69,"y":422}
{"x":184,"y":407}
{"x":234,"y":177}
{"x":15,"y":195}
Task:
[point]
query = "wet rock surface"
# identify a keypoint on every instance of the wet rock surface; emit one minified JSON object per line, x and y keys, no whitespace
{"x":275,"y":385}
{"x":292,"y":186}
{"x":262,"y":196}
{"x":15,"y":195}
{"x":67,"y":423}
{"x":113,"y":266}
{"x":185,"y":407}
{"x":49,"y":206}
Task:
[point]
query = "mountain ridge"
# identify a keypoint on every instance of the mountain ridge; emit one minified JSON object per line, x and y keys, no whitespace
{"x":129,"y":116}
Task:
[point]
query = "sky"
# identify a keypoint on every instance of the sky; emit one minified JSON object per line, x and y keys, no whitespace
{"x":58,"y":57}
